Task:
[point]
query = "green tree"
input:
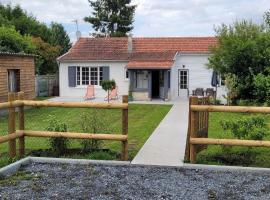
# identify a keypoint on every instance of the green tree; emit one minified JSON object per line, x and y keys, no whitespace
{"x":47,"y":54}
{"x":59,"y":37}
{"x":108,"y":85}
{"x":267,"y":18}
{"x":12,"y":41}
{"x":111,"y":17}
{"x":243,"y":50}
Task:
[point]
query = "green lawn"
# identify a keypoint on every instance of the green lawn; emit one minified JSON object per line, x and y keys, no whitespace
{"x":143,"y":119}
{"x":243,"y":156}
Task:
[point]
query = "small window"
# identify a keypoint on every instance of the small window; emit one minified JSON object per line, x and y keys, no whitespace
{"x":78,"y":76}
{"x":142,"y":79}
{"x":100,"y":75}
{"x":127,"y":74}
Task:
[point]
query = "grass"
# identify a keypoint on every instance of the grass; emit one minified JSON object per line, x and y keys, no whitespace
{"x":242,"y":156}
{"x":143,"y":119}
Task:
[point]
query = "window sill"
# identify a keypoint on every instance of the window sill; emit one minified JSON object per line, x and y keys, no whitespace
{"x":85,"y":86}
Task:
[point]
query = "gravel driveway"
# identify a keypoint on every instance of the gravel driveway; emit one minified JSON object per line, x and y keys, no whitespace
{"x":70,"y":181}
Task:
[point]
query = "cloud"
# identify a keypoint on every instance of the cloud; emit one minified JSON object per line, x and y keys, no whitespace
{"x":153,"y":17}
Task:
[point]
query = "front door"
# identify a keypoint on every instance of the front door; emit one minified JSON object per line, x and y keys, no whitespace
{"x":183,"y":83}
{"x":155,"y":84}
{"x":13,"y":80}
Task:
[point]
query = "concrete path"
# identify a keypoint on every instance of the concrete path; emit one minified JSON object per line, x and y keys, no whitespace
{"x":166,"y":145}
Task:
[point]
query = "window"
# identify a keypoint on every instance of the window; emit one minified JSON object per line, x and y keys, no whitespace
{"x":142,"y":79}
{"x":127,"y":74}
{"x":89,"y":75}
{"x":183,"y":78}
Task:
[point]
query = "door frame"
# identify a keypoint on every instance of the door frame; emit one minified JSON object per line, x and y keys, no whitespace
{"x":178,"y":83}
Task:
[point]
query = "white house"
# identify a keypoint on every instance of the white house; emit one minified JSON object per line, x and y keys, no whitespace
{"x":165,"y":68}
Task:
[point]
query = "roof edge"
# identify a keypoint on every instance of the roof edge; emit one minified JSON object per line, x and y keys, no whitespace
{"x":16,"y":54}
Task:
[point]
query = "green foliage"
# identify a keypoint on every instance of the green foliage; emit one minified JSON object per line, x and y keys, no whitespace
{"x":267,"y":18}
{"x":108,"y":85}
{"x":262,"y":88}
{"x":243,"y":50}
{"x":12,"y":41}
{"x":58,"y":145}
{"x":92,"y":122}
{"x":27,"y":26}
{"x":108,"y":14}
{"x":254,"y":128}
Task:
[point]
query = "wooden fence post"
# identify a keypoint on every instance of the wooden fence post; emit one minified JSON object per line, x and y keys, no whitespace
{"x":21,"y":125}
{"x":11,"y":126}
{"x":125,"y":129}
{"x":193,"y":129}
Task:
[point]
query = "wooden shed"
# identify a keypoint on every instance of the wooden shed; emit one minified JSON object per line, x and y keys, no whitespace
{"x":17,"y":73}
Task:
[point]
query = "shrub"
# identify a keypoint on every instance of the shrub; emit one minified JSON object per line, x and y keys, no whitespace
{"x":262,"y":88}
{"x":254,"y":128}
{"x":91,"y":122}
{"x":58,"y":145}
{"x":108,"y":85}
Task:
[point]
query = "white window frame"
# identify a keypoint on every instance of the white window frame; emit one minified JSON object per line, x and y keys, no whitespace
{"x":98,"y":75}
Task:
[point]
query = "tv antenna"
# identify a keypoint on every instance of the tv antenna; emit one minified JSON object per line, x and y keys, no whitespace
{"x":78,"y":33}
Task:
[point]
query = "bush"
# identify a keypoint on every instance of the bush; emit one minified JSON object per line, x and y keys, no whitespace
{"x":91,"y":123}
{"x":58,"y":145}
{"x":254,"y":128}
{"x":262,"y":88}
{"x":108,"y":85}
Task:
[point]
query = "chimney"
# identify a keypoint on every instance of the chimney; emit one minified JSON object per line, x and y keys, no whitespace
{"x":130,"y":46}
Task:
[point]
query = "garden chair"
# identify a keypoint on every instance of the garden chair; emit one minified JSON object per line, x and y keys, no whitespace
{"x":90,"y":92}
{"x":210,"y":92}
{"x":198,"y":92}
{"x":113,"y":95}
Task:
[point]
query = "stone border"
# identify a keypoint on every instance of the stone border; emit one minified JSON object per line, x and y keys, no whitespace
{"x":14,"y":167}
{"x":225,"y":168}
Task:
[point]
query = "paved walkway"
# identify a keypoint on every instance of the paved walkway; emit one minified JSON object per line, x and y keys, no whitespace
{"x":166,"y":145}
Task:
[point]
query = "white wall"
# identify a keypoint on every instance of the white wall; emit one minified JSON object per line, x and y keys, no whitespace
{"x":199,"y":75}
{"x":117,"y":72}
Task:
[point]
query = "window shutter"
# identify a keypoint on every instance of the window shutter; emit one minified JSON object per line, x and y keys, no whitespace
{"x":106,"y":73}
{"x":72,"y":76}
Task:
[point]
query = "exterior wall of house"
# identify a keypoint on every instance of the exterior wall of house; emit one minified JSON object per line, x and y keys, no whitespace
{"x":198,"y":74}
{"x":117,"y":72}
{"x":26,"y":67}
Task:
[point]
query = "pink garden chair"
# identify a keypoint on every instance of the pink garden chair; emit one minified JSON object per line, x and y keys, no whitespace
{"x":113,"y":95}
{"x":90,"y":93}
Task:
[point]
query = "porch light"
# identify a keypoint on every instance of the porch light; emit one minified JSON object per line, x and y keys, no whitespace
{"x":183,"y":66}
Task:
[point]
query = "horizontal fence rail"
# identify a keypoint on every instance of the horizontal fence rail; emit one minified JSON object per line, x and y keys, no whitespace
{"x":197,"y":142}
{"x":71,"y":135}
{"x":16,"y":100}
{"x":238,"y":109}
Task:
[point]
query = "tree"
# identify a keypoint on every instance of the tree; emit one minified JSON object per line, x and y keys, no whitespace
{"x":243,"y":50}
{"x":50,"y":41}
{"x":59,"y":37}
{"x":267,"y":18}
{"x":47,"y":54}
{"x":12,"y":41}
{"x":108,"y":86}
{"x":111,"y":17}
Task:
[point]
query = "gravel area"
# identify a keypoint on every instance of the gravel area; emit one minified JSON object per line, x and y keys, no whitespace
{"x":70,"y":181}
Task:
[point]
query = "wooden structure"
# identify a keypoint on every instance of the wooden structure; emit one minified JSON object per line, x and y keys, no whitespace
{"x":20,"y":134}
{"x":198,"y":127}
{"x":17,"y":73}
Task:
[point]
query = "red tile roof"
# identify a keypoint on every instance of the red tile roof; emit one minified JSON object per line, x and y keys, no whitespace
{"x":146,"y":52}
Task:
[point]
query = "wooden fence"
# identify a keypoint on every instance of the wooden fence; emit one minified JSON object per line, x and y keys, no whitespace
{"x":198,"y":127}
{"x":16,"y":101}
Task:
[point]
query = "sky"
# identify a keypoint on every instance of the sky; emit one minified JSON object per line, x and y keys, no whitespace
{"x":153,"y":18}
